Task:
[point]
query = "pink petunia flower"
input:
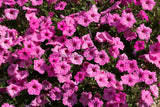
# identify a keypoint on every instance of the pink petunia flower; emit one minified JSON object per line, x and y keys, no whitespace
{"x":79,"y":76}
{"x":146,"y":97}
{"x":114,"y":51}
{"x":55,"y":93}
{"x":121,"y":65}
{"x":12,"y":69}
{"x":103,"y":36}
{"x":131,"y":66}
{"x":46,"y":85}
{"x":120,"y":97}
{"x":137,"y":2}
{"x":9,"y":2}
{"x":96,"y":102}
{"x":21,"y":74}
{"x":151,"y":77}
{"x":92,"y":70}
{"x":90,"y":53}
{"x":34,"y":87}
{"x":139,"y":45}
{"x":101,"y":58}
{"x":129,"y":79}
{"x":147,"y":4}
{"x":22,"y":2}
{"x":101,"y":80}
{"x":144,"y":32}
{"x":13,"y":90}
{"x":24,"y":53}
{"x":154,"y":90}
{"x":141,"y":74}
{"x":127,"y":19}
{"x":113,"y":19}
{"x":129,"y":35}
{"x":52,"y":1}
{"x":34,"y":23}
{"x":83,"y":20}
{"x":7,"y":105}
{"x":85,"y":98}
{"x":75,"y":58}
{"x":143,"y":15}
{"x":93,"y":14}
{"x":40,"y":66}
{"x":36,"y":2}
{"x":60,"y":5}
{"x":69,"y":98}
{"x":11,"y":13}
{"x":70,"y":85}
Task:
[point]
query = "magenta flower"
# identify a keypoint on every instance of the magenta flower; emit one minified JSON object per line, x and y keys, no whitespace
{"x":22,"y":2}
{"x":129,"y":80}
{"x":151,"y":77}
{"x":147,"y":4}
{"x":131,"y":66}
{"x":34,"y":23}
{"x":96,"y":102}
{"x":46,"y":85}
{"x":113,"y":19}
{"x":34,"y":87}
{"x":141,"y":74}
{"x":12,"y":69}
{"x":11,"y":13}
{"x":70,"y":85}
{"x":121,"y":65}
{"x":60,"y":5}
{"x":144,"y":32}
{"x":69,"y":98}
{"x":79,"y":76}
{"x":143,"y":15}
{"x":62,"y":68}
{"x":7,"y":105}
{"x":155,"y":48}
{"x":114,"y":51}
{"x":129,"y":35}
{"x":111,"y":79}
{"x":62,"y":25}
{"x":154,"y":90}
{"x":127,"y":19}
{"x":55,"y":93}
{"x":24,"y":53}
{"x":103,"y":36}
{"x":9,"y":2}
{"x":85,"y":98}
{"x":22,"y":74}
{"x":93,"y":14}
{"x":101,"y":58}
{"x":92,"y":70}
{"x":83,"y":20}
{"x":139,"y":45}
{"x":36,"y":2}
{"x":52,"y":1}
{"x":146,"y":97}
{"x":137,"y":2}
{"x":75,"y":58}
{"x":117,"y":43}
{"x":13,"y":90}
{"x":90,"y":53}
{"x":101,"y":80}
{"x":51,"y":14}
{"x":40,"y":66}
{"x":120,"y":97}
{"x":109,"y":94}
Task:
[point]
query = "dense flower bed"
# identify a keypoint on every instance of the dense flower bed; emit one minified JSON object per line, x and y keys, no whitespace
{"x":79,"y":53}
